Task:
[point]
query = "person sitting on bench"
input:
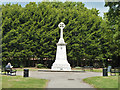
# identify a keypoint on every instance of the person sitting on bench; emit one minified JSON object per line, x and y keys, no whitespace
{"x":8,"y":68}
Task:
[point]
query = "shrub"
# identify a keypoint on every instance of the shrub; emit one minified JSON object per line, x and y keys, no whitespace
{"x":40,"y":66}
{"x":77,"y":67}
{"x":15,"y":65}
{"x":96,"y":65}
{"x":21,"y":66}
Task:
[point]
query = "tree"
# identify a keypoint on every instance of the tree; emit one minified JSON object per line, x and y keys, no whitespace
{"x":33,"y":30}
{"x":112,"y":19}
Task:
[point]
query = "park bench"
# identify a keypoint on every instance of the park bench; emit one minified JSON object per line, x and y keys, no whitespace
{"x":88,"y":67}
{"x":7,"y":71}
{"x":114,"y":71}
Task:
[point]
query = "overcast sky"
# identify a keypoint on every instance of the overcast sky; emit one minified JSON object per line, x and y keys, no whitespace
{"x":98,"y":4}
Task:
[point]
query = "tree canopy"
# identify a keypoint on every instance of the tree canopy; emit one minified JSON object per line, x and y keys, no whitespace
{"x":113,"y":21}
{"x":33,"y":31}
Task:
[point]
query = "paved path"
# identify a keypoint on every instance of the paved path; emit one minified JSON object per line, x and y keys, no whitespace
{"x":64,"y":79}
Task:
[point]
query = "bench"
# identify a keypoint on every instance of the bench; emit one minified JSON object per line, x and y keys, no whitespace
{"x":9,"y":71}
{"x":88,"y":67}
{"x":114,"y":71}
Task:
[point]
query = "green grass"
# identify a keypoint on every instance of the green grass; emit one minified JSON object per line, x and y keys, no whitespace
{"x":22,"y":82}
{"x":97,"y":70}
{"x":0,"y":82}
{"x":77,"y":68}
{"x":22,"y":69}
{"x":30,"y":69}
{"x":103,"y":82}
{"x":94,"y":70}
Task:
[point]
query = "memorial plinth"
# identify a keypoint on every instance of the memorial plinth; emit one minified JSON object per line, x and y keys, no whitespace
{"x":61,"y":62}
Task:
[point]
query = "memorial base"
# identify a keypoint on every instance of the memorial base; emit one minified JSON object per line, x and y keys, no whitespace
{"x":61,"y":67}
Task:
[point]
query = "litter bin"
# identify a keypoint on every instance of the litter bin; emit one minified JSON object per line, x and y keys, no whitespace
{"x":105,"y":72}
{"x":26,"y":72}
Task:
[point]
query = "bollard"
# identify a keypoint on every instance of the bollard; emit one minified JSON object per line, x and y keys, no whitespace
{"x":26,"y":72}
{"x":105,"y":73}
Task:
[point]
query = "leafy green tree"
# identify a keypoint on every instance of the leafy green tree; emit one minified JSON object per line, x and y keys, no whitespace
{"x":32,"y":31}
{"x":112,"y":18}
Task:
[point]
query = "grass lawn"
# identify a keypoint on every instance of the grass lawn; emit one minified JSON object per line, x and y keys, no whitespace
{"x":98,"y":70}
{"x":30,"y":68}
{"x":36,"y":69}
{"x":22,"y":82}
{"x":103,"y":82}
{"x":94,"y":70}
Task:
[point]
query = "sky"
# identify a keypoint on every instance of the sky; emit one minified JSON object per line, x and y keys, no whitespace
{"x":98,"y":4}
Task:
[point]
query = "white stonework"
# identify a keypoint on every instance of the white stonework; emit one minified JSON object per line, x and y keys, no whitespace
{"x":61,"y":62}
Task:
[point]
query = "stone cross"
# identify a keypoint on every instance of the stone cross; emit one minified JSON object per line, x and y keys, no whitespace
{"x":61,"y":26}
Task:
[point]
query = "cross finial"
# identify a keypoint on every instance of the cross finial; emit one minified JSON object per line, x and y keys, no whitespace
{"x":61,"y":25}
